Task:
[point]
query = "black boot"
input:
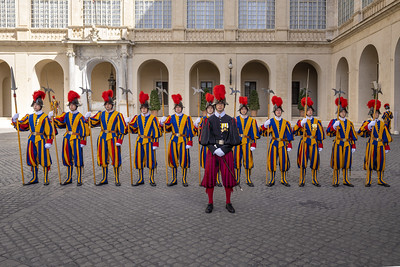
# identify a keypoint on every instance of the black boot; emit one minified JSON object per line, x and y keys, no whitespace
{"x":230,"y":208}
{"x":209,"y":208}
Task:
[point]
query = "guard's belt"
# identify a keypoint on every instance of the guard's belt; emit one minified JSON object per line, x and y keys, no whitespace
{"x":220,"y":142}
{"x":144,"y":136}
{"x":279,"y":139}
{"x":179,"y":135}
{"x":107,"y":131}
{"x":36,"y":133}
{"x":72,"y":133}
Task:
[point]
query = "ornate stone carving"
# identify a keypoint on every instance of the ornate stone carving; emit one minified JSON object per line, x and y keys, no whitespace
{"x":93,"y":34}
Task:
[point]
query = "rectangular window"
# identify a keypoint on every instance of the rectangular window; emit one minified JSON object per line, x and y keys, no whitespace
{"x":153,"y":14}
{"x":308,"y":14}
{"x":205,"y":14}
{"x":7,"y":13}
{"x":366,"y":2}
{"x":102,"y":12}
{"x":49,"y":13}
{"x":295,"y":93}
{"x":345,"y":10}
{"x":248,"y":87}
{"x":163,"y":85}
{"x":256,"y":14}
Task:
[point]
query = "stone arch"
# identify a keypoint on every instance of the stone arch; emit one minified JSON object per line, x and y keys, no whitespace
{"x":396,"y":102}
{"x":5,"y":89}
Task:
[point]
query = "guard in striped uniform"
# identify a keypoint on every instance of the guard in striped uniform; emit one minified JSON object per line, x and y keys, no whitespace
{"x":181,"y":127}
{"x":113,"y":129}
{"x":249,"y":133}
{"x":311,"y":144}
{"x":198,"y":125}
{"x":378,"y":144}
{"x":344,"y":144}
{"x":281,"y":142}
{"x":146,"y":126}
{"x":74,"y":138}
{"x":387,"y":117}
{"x":39,"y":140}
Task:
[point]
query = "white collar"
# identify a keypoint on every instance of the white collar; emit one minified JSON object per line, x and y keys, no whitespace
{"x":208,"y":115}
{"x":145,"y":114}
{"x":178,"y":114}
{"x":74,"y":112}
{"x":278,"y":118}
{"x":244,"y":116}
{"x":219,"y":115}
{"x":309,"y":118}
{"x":110,"y":111}
{"x":40,"y":112}
{"x":342,"y":119}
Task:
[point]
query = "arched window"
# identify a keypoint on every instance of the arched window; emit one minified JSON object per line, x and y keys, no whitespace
{"x":49,"y":13}
{"x":308,"y":14}
{"x":153,"y":14}
{"x":205,"y":14}
{"x":256,"y":14}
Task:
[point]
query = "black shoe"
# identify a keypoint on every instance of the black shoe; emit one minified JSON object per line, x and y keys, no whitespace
{"x":368,"y":185}
{"x":118,"y":184}
{"x":99,"y":184}
{"x":209,"y":208}
{"x":172,"y":183}
{"x":301,"y":185}
{"x":230,"y":208}
{"x":349,"y":185}
{"x":250,"y":184}
{"x":137,"y":183}
{"x":384,"y":184}
{"x":29,"y":183}
{"x":152,"y":184}
{"x":335,"y":185}
{"x":318,"y":185}
{"x":185,"y":184}
{"x":270,"y":184}
{"x":46,"y":183}
{"x":219,"y":184}
{"x":286,"y":184}
{"x":65,"y":183}
{"x":79,"y":184}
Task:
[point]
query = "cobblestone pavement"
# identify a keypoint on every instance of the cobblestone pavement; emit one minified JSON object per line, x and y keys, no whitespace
{"x":109,"y":225}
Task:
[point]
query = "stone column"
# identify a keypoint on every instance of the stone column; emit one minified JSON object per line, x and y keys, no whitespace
{"x":71,"y":70}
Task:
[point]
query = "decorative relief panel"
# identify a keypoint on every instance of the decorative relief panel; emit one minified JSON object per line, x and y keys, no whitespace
{"x":151,"y":35}
{"x":310,"y":36}
{"x":48,"y":34}
{"x":255,"y":35}
{"x":204,"y":35}
{"x":373,"y":8}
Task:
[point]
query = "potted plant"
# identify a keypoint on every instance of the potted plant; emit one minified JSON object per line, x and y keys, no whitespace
{"x":155,"y":105}
{"x":203,"y":101}
{"x":254,"y":103}
{"x":302,"y":94}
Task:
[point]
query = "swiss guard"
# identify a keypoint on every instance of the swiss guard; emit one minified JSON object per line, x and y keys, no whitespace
{"x":280,"y":144}
{"x":310,"y":144}
{"x":198,"y":125}
{"x":219,"y":135}
{"x":148,"y":132}
{"x":377,"y":144}
{"x":113,"y":129}
{"x":181,"y":127}
{"x":249,"y":133}
{"x":40,"y":138}
{"x":387,"y":116}
{"x":74,"y":138}
{"x":344,"y":144}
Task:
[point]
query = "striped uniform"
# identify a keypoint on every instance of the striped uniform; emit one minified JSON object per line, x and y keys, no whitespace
{"x":249,"y":133}
{"x":342,"y":157}
{"x":380,"y":142}
{"x":148,"y":131}
{"x":182,"y":133}
{"x":41,"y":133}
{"x":113,"y":129}
{"x":75,"y":135}
{"x":387,"y":118}
{"x":281,"y":138}
{"x":313,"y":140}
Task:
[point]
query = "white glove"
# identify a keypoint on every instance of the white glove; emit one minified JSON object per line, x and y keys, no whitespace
{"x":163,"y":119}
{"x":353,"y":150}
{"x":303,"y":121}
{"x":386,"y":151}
{"x":219,"y":152}
{"x":371,"y":125}
{"x":320,"y":149}
{"x":336,"y":124}
{"x":288,"y":149}
{"x":47,"y":145}
{"x":50,"y":115}
{"x":118,"y":144}
{"x":87,"y":115}
{"x":155,"y":147}
{"x":267,"y":123}
{"x":15,"y":117}
{"x":197,"y":122}
{"x":188,"y":146}
{"x":252,"y":148}
{"x":127,"y":120}
{"x":82,"y":145}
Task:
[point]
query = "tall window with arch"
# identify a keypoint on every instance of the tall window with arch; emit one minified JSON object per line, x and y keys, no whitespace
{"x":308,"y":14}
{"x":102,"y":12}
{"x":205,"y":14}
{"x":153,"y":14}
{"x":256,"y":14}
{"x":49,"y":13}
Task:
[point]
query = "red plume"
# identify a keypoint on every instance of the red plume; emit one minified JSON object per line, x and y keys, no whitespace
{"x":309,"y":102}
{"x":371,"y":104}
{"x":73,"y":95}
{"x":38,"y":94}
{"x":277,"y":101}
{"x":243,"y":100}
{"x":343,"y":102}
{"x":107,"y":95}
{"x":209,"y":97}
{"x":143,"y":97}
{"x":219,"y":92}
{"x":386,"y":105}
{"x":176,"y":98}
